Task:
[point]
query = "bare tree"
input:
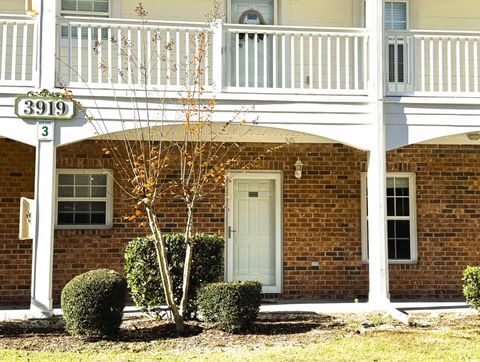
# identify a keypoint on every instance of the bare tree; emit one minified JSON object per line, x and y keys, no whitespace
{"x":156,"y":166}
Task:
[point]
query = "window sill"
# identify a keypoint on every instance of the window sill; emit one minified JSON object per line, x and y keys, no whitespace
{"x":397,"y":262}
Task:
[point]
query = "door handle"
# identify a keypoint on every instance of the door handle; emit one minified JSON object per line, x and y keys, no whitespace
{"x":230,"y":231}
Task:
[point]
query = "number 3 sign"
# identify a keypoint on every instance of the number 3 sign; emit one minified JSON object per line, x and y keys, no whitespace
{"x":45,"y":130}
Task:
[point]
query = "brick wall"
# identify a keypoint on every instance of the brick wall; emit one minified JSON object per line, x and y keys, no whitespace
{"x":321,"y":220}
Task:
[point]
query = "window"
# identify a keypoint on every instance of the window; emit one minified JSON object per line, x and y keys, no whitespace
{"x":96,"y":8}
{"x":85,"y":7}
{"x":396,"y":19}
{"x":84,"y":198}
{"x":401,"y":222}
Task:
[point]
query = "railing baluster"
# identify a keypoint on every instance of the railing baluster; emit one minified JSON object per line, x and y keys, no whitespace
{"x":140,"y":61}
{"x":109,"y":55}
{"x":302,"y":62}
{"x":347,"y":62}
{"x":265,"y":70}
{"x":247,"y":83}
{"x":449,"y":64}
{"x":14,"y":52}
{"x":355,"y":62}
{"x":79,"y":54}
{"x":320,"y":62}
{"x":457,"y":49}
{"x":177,"y":51}
{"x":440,"y":65}
{"x":34,"y":53}
{"x":432,"y":79}
{"x":255,"y":59}
{"x":99,"y":54}
{"x":206,"y":60}
{"x":475,"y":66}
{"x":422,"y":55}
{"x":187,"y":57}
{"x":237,"y":59}
{"x":89,"y":52}
{"x":4,"y":50}
{"x":24,"y":51}
{"x":69,"y":50}
{"x":292,"y":61}
{"x":148,"y":58}
{"x":119,"y":56}
{"x":467,"y":66}
{"x":284,"y":62}
{"x":338,"y":61}
{"x":274,"y":60}
{"x":169,"y":59}
{"x":310,"y":61}
{"x":329,"y":62}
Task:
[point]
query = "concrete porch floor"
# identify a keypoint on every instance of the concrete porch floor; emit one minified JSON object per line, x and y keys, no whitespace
{"x":409,"y":308}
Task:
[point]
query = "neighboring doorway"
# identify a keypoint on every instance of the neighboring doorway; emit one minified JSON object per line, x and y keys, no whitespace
{"x":254,"y":229}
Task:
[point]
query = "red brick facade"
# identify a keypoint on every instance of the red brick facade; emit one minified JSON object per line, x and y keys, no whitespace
{"x":321,"y":220}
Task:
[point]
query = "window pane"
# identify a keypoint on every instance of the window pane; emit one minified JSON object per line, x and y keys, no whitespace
{"x":402,"y":229}
{"x":65,"y":218}
{"x":82,"y":219}
{"x":82,"y":191}
{"x":66,"y":206}
{"x":403,"y":249}
{"x":82,"y":206}
{"x":65,"y":191}
{"x":99,"y":180}
{"x":69,"y":5}
{"x":396,"y":15}
{"x":82,"y":179}
{"x":391,"y":228}
{"x":98,"y":206}
{"x":85,"y":5}
{"x":99,"y":191}
{"x":391,"y":249}
{"x":65,"y":179}
{"x":402,"y":206}
{"x":100,"y":6}
{"x":390,"y":206}
{"x":98,"y":218}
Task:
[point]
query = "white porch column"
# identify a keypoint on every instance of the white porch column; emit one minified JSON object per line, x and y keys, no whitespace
{"x":379,"y":296}
{"x":42,"y":253}
{"x":42,"y":249}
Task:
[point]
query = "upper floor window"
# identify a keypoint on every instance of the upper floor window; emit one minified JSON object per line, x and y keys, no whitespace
{"x":401,"y":221}
{"x":85,"y":7}
{"x":396,"y":15}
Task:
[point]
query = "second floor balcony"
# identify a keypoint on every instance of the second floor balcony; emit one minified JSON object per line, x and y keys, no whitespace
{"x":124,"y":53}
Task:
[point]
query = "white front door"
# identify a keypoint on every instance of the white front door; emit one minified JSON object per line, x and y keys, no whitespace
{"x":253,"y":230}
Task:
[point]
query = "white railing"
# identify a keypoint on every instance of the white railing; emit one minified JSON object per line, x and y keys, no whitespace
{"x":297,"y":59}
{"x":433,"y":63}
{"x":102,"y":53}
{"x":18,"y":53}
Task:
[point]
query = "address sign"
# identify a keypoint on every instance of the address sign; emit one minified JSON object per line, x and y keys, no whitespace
{"x":44,"y":105}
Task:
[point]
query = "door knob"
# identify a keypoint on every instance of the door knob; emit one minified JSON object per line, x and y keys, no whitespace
{"x":230,"y":231}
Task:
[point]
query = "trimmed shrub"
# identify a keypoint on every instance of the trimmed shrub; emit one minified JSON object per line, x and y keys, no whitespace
{"x":471,"y":286}
{"x":232,"y":306}
{"x":143,"y":275}
{"x":93,"y":302}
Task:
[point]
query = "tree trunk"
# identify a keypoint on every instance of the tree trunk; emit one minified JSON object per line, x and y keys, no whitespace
{"x":188,"y":261}
{"x":164,"y":273}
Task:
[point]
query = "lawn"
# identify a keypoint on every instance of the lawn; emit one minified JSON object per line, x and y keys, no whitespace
{"x":300,"y":337}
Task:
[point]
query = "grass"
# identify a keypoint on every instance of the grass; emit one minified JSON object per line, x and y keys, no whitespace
{"x":366,"y":338}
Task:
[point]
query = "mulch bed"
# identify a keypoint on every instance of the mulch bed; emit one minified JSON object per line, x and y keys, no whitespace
{"x":144,"y":334}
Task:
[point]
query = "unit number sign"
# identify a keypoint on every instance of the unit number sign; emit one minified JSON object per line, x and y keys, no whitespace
{"x":44,"y":108}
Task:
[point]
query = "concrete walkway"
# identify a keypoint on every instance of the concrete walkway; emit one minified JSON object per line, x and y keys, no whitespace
{"x":294,"y":306}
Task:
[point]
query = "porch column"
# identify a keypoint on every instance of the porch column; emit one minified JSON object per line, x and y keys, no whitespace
{"x":42,"y":248}
{"x":377,"y":225}
{"x":42,"y":253}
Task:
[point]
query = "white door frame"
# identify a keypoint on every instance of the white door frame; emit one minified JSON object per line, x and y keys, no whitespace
{"x":277,"y":176}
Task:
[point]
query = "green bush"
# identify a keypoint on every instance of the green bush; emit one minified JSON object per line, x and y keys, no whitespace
{"x":232,"y":306}
{"x":143,"y":276}
{"x":471,"y":286}
{"x":93,"y":302}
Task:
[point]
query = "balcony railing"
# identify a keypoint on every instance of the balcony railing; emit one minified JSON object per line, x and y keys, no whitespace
{"x":124,"y":53}
{"x":128,"y":54}
{"x":297,"y":59}
{"x":18,"y":43}
{"x":433,"y":63}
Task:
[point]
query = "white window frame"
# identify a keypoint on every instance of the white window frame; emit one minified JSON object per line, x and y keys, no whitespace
{"x":87,"y":13}
{"x":108,"y":199}
{"x":412,"y":218}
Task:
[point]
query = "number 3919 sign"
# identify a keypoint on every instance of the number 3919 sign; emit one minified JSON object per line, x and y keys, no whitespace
{"x":35,"y":107}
